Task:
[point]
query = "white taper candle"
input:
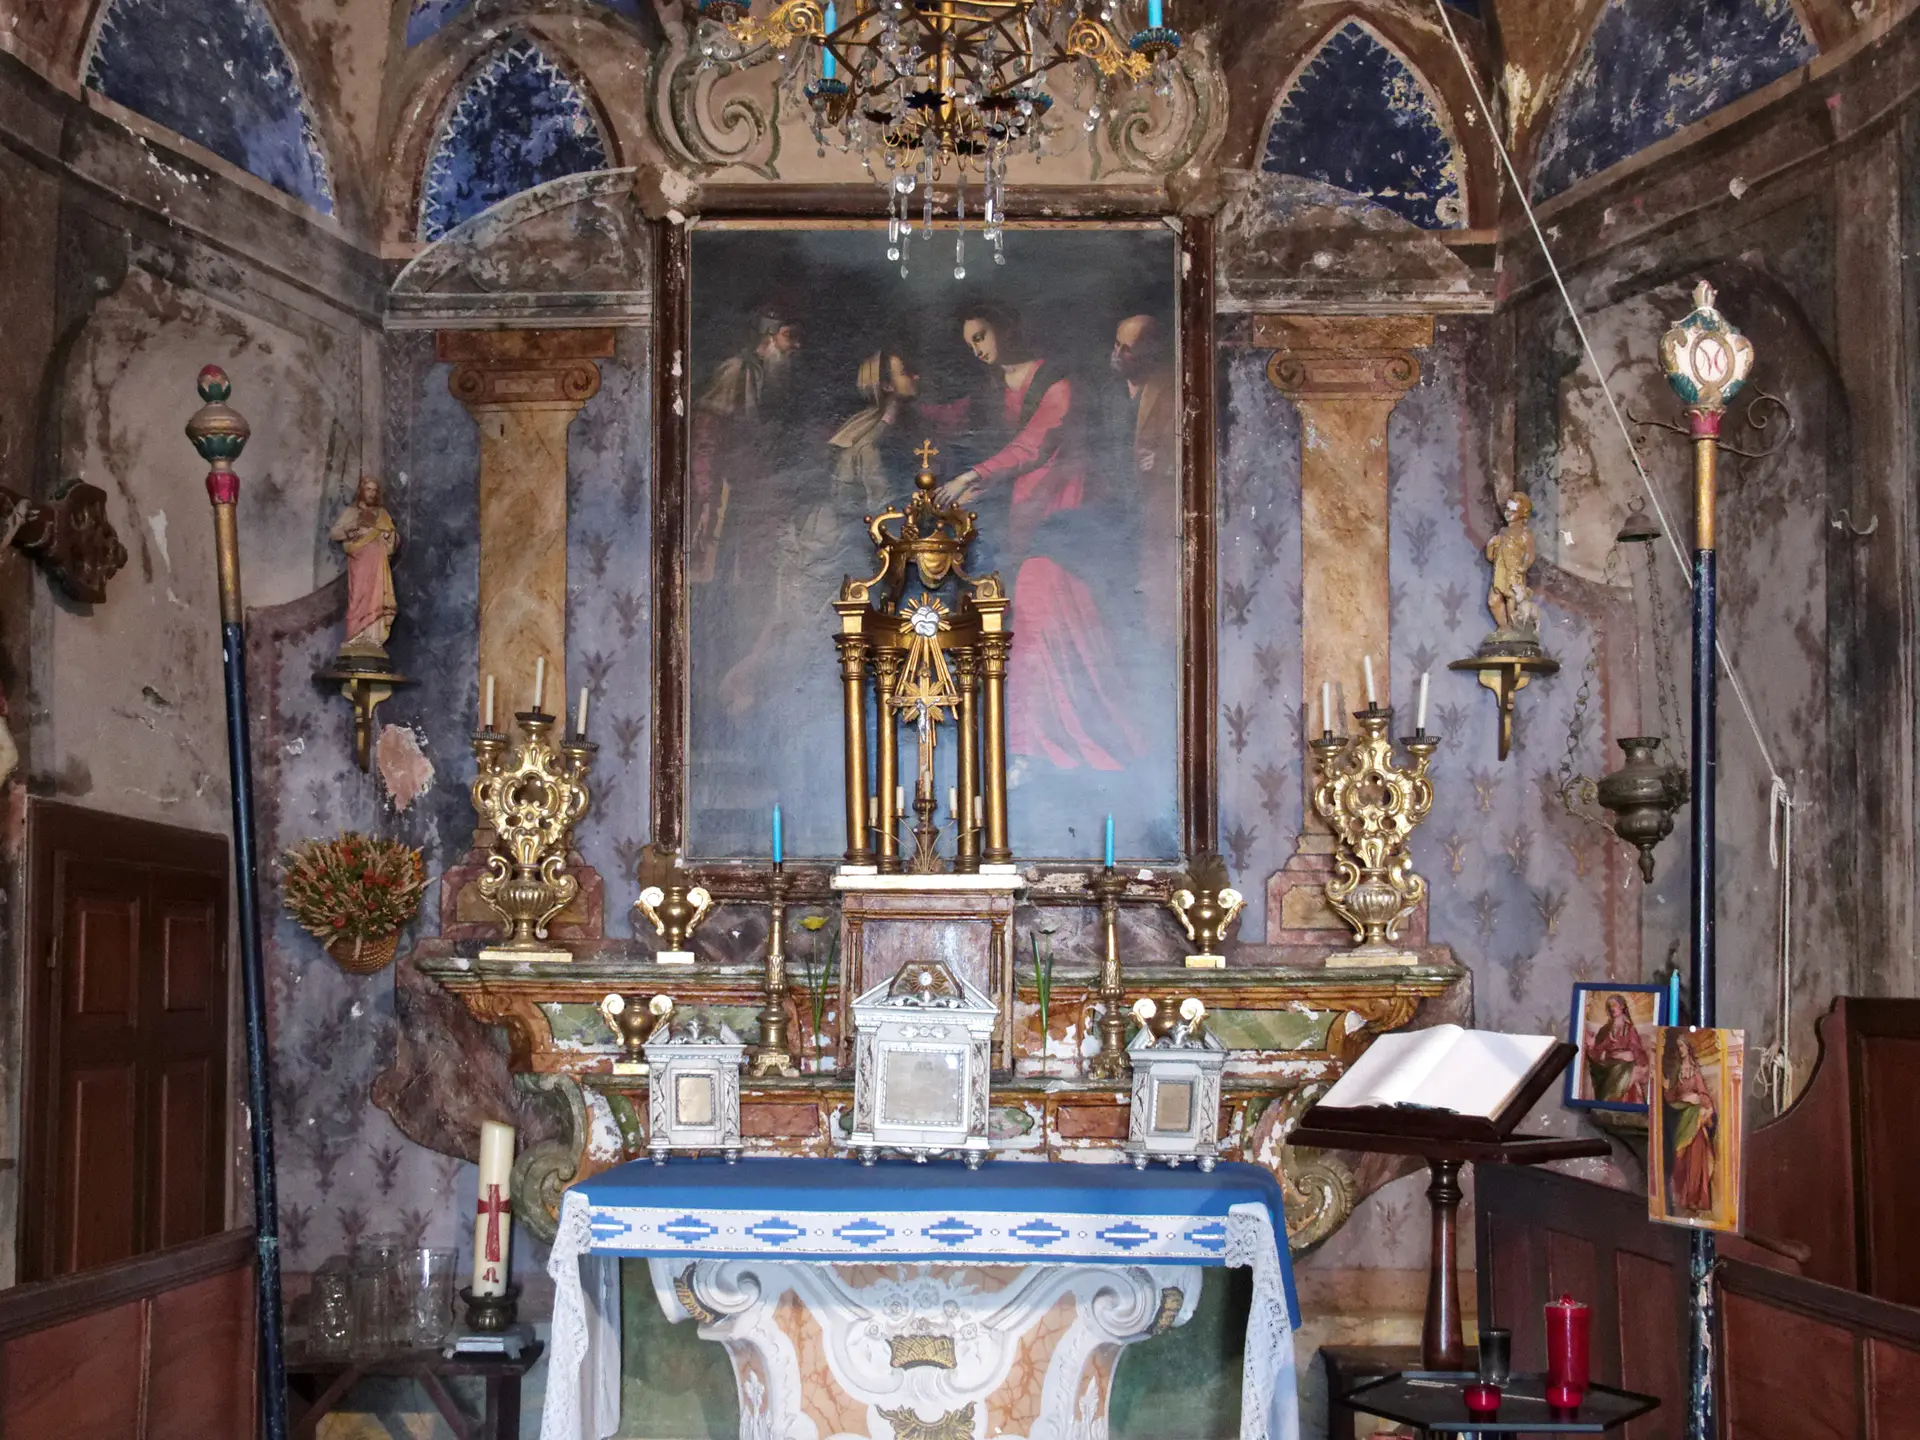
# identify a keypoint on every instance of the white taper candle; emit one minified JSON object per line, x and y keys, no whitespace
{"x":1326,"y":706}
{"x":539,"y":682}
{"x":486,"y":715}
{"x":1366,"y":663}
{"x":1420,"y":716}
{"x":580,"y":724}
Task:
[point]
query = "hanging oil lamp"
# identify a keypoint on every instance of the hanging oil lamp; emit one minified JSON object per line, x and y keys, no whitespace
{"x":1643,"y":796}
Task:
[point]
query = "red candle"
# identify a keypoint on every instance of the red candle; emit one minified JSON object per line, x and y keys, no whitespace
{"x":1482,"y":1399}
{"x":1568,"y":1330}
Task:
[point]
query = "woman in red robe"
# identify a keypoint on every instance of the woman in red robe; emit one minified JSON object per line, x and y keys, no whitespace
{"x":1062,"y":679}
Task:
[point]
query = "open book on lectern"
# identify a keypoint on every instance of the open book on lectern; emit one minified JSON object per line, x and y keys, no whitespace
{"x":1445,"y":1082}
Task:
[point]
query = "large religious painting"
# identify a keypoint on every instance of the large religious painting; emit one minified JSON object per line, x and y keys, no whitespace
{"x":1045,"y":394}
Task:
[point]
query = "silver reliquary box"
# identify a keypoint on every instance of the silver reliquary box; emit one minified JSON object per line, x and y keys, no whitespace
{"x":1175,"y":1113}
{"x":693,"y":1100}
{"x":920,"y":1062}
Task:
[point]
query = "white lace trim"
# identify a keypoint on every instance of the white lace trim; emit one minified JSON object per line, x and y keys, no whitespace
{"x":1269,"y":1399}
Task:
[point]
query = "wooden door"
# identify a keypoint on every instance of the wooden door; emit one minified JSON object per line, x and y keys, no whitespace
{"x":124,"y":1101}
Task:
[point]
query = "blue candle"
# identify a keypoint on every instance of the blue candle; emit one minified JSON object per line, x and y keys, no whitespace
{"x":1673,"y":997}
{"x":1156,"y":17}
{"x":827,"y":62}
{"x":1109,"y":842}
{"x":777,"y":855}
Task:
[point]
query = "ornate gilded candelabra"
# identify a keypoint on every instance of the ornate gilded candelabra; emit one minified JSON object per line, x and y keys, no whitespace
{"x":773,"y":1055}
{"x":1372,"y":804}
{"x":1205,"y":904}
{"x":530,"y":796}
{"x":1111,"y":1063}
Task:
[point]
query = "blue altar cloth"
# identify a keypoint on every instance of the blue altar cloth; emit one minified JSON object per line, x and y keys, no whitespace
{"x":798,"y":1209}
{"x":833,"y":1210}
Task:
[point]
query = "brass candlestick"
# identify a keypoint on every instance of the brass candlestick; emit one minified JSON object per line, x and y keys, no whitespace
{"x":1108,"y":886}
{"x":1372,"y":804}
{"x":772,"y":1056}
{"x":1205,"y":905}
{"x":674,"y":906}
{"x":530,"y":796}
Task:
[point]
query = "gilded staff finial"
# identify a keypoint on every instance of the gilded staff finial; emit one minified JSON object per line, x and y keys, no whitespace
{"x":1707,"y":361}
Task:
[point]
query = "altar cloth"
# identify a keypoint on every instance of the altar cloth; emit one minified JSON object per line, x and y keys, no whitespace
{"x":833,"y":1210}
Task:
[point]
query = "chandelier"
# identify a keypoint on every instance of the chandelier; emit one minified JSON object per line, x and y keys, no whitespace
{"x":932,"y":93}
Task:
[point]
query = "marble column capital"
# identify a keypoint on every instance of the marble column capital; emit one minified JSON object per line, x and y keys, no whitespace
{"x":1343,"y":357}
{"x":525,"y":369}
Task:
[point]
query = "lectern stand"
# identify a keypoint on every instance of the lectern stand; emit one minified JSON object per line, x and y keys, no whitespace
{"x":1446,"y":1142}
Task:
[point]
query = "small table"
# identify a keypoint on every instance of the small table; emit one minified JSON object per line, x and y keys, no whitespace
{"x":320,"y":1383}
{"x":1432,"y":1401}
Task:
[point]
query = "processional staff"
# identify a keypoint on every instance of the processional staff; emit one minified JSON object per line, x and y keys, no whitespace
{"x":1706,"y":361}
{"x":220,"y":433}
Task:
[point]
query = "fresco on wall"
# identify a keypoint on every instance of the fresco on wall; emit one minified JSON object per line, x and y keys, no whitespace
{"x":518,"y":122}
{"x":1357,"y":116}
{"x":1655,"y":66}
{"x":216,"y":72}
{"x":1047,"y":387}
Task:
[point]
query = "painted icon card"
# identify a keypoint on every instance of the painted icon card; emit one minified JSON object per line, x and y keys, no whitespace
{"x":1613,"y":1026}
{"x":1697,"y":1127}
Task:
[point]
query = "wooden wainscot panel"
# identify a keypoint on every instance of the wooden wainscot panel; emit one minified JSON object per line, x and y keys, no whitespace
{"x":1517,"y":1266}
{"x":79,"y":1381}
{"x":1788,"y":1377}
{"x":1895,"y":1390}
{"x":1652,"y":1338}
{"x":1571,"y":1270}
{"x":202,"y":1346}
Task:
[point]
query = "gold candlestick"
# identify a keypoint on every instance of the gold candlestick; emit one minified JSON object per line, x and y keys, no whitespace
{"x":772,"y":1056}
{"x":1205,"y":905}
{"x":1372,"y":804}
{"x":672,"y":904}
{"x":530,"y":796}
{"x":1111,"y":1063}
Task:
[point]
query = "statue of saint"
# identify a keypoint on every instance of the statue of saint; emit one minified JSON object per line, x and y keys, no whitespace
{"x":367,"y":533}
{"x":1510,"y":598}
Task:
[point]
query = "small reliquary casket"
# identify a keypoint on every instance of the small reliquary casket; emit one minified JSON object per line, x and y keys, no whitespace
{"x":920,"y":1064}
{"x":694,"y":1089}
{"x":1175,"y":1113}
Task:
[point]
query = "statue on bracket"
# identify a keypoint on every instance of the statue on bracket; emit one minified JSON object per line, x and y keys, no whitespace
{"x":366,"y":532}
{"x":1512,"y":655}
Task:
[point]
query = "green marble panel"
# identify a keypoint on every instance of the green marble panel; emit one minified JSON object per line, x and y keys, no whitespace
{"x":1272,"y":1029}
{"x":1185,"y":1384}
{"x":673,"y":1384}
{"x":584,"y":1027}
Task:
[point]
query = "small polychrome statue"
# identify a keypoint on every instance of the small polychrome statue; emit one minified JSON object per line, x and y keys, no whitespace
{"x":368,"y":535}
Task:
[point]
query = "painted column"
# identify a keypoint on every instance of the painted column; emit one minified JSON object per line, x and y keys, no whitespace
{"x":524,"y":388}
{"x":1345,"y":373}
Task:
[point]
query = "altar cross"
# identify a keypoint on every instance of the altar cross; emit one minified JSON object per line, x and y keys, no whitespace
{"x":493,"y":1209}
{"x":926,"y":452}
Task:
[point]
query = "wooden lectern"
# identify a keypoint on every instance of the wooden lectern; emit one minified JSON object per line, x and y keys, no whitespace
{"x":1447,"y":1141}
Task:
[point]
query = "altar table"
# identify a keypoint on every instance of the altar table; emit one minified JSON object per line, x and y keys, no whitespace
{"x":1140,"y":1225}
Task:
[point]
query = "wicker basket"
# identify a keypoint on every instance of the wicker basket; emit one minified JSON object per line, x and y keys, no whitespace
{"x":362,"y":954}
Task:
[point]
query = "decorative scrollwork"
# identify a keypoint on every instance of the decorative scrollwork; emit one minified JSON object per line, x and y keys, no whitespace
{"x":1162,"y":133}
{"x":542,"y":1172}
{"x":1088,"y":39}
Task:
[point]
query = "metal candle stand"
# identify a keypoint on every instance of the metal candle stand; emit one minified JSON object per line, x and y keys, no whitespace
{"x":773,"y":1055}
{"x":1111,"y":1063}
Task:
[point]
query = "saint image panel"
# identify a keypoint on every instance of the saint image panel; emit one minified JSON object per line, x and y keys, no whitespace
{"x":1048,"y":390}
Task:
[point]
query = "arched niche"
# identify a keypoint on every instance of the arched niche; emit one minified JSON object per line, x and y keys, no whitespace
{"x":1265,"y":49}
{"x":1358,"y":116}
{"x":518,"y":120}
{"x":219,"y":73}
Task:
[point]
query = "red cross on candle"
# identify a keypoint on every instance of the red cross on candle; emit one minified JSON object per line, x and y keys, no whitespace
{"x":492,"y":1209}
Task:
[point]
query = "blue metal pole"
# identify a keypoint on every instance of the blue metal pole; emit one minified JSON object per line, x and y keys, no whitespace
{"x":219,"y":434}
